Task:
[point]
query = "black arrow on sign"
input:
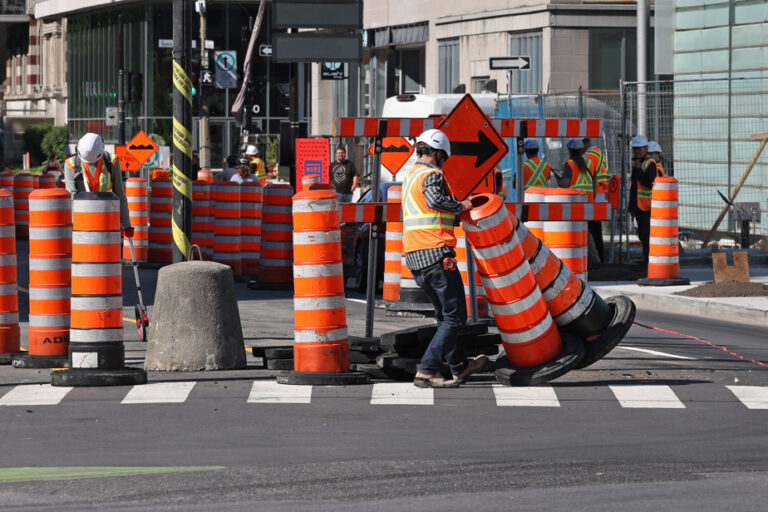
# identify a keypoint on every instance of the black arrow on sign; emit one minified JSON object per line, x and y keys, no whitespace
{"x":483,"y":149}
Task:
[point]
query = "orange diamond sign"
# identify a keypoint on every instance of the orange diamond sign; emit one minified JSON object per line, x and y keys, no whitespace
{"x":395,"y":152}
{"x":141,"y":147}
{"x":127,"y":162}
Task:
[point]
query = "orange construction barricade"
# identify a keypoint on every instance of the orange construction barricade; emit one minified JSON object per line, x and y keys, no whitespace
{"x":9,"y":302}
{"x":23,"y":185}
{"x":536,"y":195}
{"x":251,"y":194}
{"x":203,"y":217}
{"x":276,"y":261}
{"x":393,"y":250}
{"x":568,"y":239}
{"x":663,"y":257}
{"x":534,"y":349}
{"x":138,"y":208}
{"x":46,"y":181}
{"x":308,"y":180}
{"x":227,"y":230}
{"x":6,"y":182}
{"x":160,"y":215}
{"x":321,"y":348}
{"x":205,"y":175}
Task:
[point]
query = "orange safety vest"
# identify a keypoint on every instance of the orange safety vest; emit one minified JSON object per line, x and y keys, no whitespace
{"x":644,"y":194}
{"x":580,"y":180}
{"x":596,"y":164}
{"x":101,"y":181}
{"x":423,"y":227}
{"x":536,"y":172}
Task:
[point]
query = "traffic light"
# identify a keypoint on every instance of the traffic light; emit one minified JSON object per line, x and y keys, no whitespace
{"x":135,"y":87}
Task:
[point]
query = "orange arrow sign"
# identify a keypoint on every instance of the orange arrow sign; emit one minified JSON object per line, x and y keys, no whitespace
{"x":141,"y":147}
{"x":476,"y":147}
{"x":395,"y":152}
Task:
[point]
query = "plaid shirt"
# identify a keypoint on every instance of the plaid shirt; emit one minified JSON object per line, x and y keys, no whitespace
{"x":437,"y":199}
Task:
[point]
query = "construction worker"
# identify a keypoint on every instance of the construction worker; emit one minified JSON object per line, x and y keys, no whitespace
{"x":644,"y":172}
{"x":257,"y":164}
{"x":654,"y":149}
{"x":429,"y":216}
{"x":576,"y":171}
{"x":599,"y":170}
{"x":536,"y":171}
{"x":92,"y":169}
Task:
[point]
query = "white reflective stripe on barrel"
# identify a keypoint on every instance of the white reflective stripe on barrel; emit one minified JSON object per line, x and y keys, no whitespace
{"x":315,"y":270}
{"x":315,"y":303}
{"x":315,"y":336}
{"x":94,"y":302}
{"x":526,"y":336}
{"x":95,"y":335}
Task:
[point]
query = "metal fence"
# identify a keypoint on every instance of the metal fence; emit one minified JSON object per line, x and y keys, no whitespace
{"x":704,"y":128}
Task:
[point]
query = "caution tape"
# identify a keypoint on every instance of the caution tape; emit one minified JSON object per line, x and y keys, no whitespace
{"x":182,"y":139}
{"x":180,"y":239}
{"x":182,"y":183}
{"x":181,"y":81}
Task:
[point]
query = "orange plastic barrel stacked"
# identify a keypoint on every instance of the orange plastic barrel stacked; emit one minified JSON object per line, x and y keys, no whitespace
{"x":96,"y":334}
{"x":136,"y":194}
{"x":527,"y":330}
{"x":308,"y":180}
{"x":461,"y":263}
{"x":320,"y":317}
{"x":536,"y":195}
{"x":205,"y":175}
{"x":9,"y":299}
{"x":6,"y":182}
{"x":276,"y":261}
{"x":568,"y":239}
{"x":50,"y":259}
{"x":23,"y":185}
{"x":203,"y":217}
{"x":46,"y":181}
{"x":393,"y":250}
{"x":160,"y":214}
{"x":227,"y":243}
{"x":251,"y":194}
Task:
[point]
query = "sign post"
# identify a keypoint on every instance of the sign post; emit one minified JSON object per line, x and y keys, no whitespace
{"x":373,"y":243}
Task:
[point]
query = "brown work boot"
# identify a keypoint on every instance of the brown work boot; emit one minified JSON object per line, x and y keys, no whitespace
{"x":425,"y":380}
{"x":473,"y":366}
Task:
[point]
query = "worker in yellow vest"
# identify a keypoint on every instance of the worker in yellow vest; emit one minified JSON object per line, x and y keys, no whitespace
{"x":536,"y":171}
{"x":644,"y":173}
{"x":92,"y":169}
{"x":429,"y":215}
{"x":599,"y":170}
{"x":575,"y":172}
{"x":258,"y":166}
{"x":654,"y":149}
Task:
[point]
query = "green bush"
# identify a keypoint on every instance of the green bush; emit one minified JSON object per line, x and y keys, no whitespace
{"x":55,"y":141}
{"x":33,"y":140}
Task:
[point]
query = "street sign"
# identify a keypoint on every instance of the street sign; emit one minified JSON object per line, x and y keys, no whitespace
{"x":111,"y":116}
{"x":317,"y":47}
{"x":332,"y":71}
{"x":516,"y":62}
{"x":206,"y":77}
{"x":141,"y":147}
{"x":476,"y":148}
{"x":338,"y":14}
{"x":127,"y":162}
{"x":265,"y":50}
{"x":395,"y":152}
{"x":226,"y":69}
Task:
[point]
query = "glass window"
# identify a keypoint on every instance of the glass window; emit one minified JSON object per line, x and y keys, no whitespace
{"x":448,"y":65}
{"x":606,"y":65}
{"x":478,"y":83}
{"x":529,"y":43}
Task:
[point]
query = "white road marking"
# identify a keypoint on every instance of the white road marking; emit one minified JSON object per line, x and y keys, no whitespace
{"x":401,"y":393}
{"x":657,"y":353}
{"x":159,"y":393}
{"x":359,"y":301}
{"x":525,"y":396}
{"x":270,"y":392}
{"x":35,"y":394}
{"x":754,"y":397}
{"x":647,"y":397}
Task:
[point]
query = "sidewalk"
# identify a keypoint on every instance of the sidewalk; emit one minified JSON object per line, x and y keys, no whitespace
{"x":750,"y":310}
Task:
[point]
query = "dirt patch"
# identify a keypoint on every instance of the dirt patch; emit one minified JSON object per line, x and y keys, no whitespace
{"x":727,"y":289}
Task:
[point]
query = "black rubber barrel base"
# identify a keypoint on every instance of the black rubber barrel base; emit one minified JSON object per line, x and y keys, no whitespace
{"x":279,"y":364}
{"x":324,"y":378}
{"x":594,"y":320}
{"x":109,"y":355}
{"x":27,"y":361}
{"x":7,"y":357}
{"x":623,"y":315}
{"x":78,"y":377}
{"x":278,"y":353}
{"x":665,"y":281}
{"x":573,"y":351}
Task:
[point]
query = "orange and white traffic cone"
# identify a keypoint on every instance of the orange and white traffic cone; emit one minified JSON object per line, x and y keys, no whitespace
{"x":10,"y":344}
{"x":393,"y":251}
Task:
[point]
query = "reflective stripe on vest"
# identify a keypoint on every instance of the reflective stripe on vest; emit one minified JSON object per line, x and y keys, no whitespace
{"x":260,"y":171}
{"x":581,"y":180}
{"x":423,"y":227}
{"x":103,"y":180}
{"x":536,"y":172}
{"x":596,"y":162}
{"x":644,"y":194}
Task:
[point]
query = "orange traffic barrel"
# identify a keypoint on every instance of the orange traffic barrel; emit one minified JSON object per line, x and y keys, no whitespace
{"x":205,"y":175}
{"x":46,"y":181}
{"x":575,"y":307}
{"x":227,"y":230}
{"x":50,"y":256}
{"x":393,"y":250}
{"x":23,"y":185}
{"x":138,"y":208}
{"x":461,"y":263}
{"x":663,"y":257}
{"x":536,"y":195}
{"x":160,"y":215}
{"x":6,"y":181}
{"x":251,"y":194}
{"x":568,"y":239}
{"x":10,"y":344}
{"x":160,"y":173}
{"x":535,"y":351}
{"x":321,"y":348}
{"x":276,"y":262}
{"x":203,"y":217}
{"x":308,"y":180}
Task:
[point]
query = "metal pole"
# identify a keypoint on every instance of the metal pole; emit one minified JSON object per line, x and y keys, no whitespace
{"x":623,"y":155}
{"x":120,"y":83}
{"x":293,"y":117}
{"x":643,"y":13}
{"x":205,"y":135}
{"x":519,"y":178}
{"x":182,"y":133}
{"x":373,"y":244}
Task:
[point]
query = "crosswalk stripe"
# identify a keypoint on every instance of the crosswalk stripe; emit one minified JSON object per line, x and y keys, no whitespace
{"x":270,"y":392}
{"x":647,"y":397}
{"x":159,"y":393}
{"x":401,"y":393}
{"x":753,"y":397}
{"x":35,"y":394}
{"x":525,"y":396}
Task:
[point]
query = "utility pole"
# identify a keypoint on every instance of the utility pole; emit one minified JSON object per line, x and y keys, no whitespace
{"x":182,"y":133}
{"x":643,"y":14}
{"x":205,"y":135}
{"x":120,"y":83}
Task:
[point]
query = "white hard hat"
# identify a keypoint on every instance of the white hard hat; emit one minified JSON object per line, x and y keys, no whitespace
{"x":653,"y":147}
{"x":639,"y":141}
{"x":575,"y":144}
{"x":436,"y":139}
{"x":90,"y":148}
{"x":251,"y":150}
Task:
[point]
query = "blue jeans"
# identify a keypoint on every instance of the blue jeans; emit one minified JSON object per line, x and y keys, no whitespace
{"x":446,"y":292}
{"x":344,"y":197}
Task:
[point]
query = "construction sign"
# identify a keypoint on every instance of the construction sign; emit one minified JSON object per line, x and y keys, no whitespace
{"x":395,"y":152}
{"x":127,"y":162}
{"x":312,"y":159}
{"x":476,"y":148}
{"x":141,"y":147}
